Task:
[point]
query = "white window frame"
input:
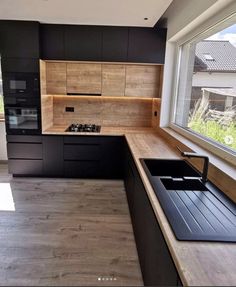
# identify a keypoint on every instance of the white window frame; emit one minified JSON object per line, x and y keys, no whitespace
{"x":196,"y":35}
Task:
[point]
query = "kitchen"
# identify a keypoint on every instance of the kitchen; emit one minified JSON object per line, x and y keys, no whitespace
{"x":85,"y":102}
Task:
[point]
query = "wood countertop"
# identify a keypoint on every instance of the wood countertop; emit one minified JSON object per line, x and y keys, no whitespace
{"x":110,"y":131}
{"x":198,"y":263}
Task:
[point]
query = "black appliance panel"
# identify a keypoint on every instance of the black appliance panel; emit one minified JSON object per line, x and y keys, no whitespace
{"x":22,"y":84}
{"x":23,"y":119}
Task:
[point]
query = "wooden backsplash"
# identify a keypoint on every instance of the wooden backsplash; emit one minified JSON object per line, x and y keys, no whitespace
{"x":117,"y":80}
{"x":105,"y":111}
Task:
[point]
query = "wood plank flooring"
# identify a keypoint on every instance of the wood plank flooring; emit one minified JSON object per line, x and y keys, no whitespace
{"x":66,"y":232}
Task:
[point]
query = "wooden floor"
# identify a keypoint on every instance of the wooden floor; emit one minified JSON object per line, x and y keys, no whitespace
{"x":66,"y":232}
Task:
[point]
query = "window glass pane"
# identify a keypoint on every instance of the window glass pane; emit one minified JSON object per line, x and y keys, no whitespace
{"x":206,"y":102}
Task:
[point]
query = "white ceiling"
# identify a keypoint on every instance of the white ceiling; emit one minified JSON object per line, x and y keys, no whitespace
{"x":90,"y":12}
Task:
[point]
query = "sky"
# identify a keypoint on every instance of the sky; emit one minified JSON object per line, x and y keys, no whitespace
{"x":226,"y":34}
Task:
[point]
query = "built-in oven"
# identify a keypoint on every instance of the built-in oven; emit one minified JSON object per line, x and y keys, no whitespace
{"x":20,"y":84}
{"x":23,"y":117}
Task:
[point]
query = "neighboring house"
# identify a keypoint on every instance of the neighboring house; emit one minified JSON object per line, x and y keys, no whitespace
{"x":215,"y":67}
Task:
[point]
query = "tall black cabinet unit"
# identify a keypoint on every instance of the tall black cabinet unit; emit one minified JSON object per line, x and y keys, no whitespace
{"x":19,"y":39}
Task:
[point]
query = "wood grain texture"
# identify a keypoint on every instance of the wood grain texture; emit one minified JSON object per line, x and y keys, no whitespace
{"x":107,"y":111}
{"x":56,"y":78}
{"x":108,"y":79}
{"x":84,"y":78}
{"x":46,"y":100}
{"x":142,"y":81}
{"x":113,"y":80}
{"x":156,"y":110}
{"x":66,"y":232}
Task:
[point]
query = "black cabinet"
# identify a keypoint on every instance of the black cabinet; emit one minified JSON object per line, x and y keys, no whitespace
{"x":146,"y":45}
{"x":20,"y":65}
{"x":112,"y":156}
{"x":25,"y":155}
{"x":53,"y":155}
{"x":102,"y":43}
{"x":156,"y":263}
{"x":93,"y":156}
{"x":115,"y":44}
{"x":19,"y":39}
{"x":83,"y":43}
{"x":52,"y":42}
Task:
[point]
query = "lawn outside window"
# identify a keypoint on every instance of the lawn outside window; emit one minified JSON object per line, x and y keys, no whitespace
{"x":205,"y":94}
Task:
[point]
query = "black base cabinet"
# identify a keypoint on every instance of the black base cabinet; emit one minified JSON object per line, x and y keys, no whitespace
{"x":66,"y":156}
{"x":93,"y":156}
{"x":53,"y":155}
{"x":25,"y":155}
{"x":156,"y":263}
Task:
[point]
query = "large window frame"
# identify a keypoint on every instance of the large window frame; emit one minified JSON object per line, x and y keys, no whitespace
{"x":192,"y":37}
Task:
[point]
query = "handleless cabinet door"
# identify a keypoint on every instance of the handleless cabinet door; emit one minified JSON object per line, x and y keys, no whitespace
{"x":19,"y":39}
{"x":53,"y":155}
{"x":146,"y":45}
{"x":84,"y":78}
{"x":83,"y":43}
{"x":52,"y":42}
{"x":113,"y":80}
{"x":56,"y":78}
{"x":115,"y":44}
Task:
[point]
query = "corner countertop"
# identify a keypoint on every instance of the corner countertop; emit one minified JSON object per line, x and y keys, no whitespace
{"x":198,"y":263}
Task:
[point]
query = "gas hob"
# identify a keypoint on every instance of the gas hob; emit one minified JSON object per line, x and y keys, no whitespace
{"x":86,"y":128}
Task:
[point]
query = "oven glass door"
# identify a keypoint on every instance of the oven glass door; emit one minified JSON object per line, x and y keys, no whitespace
{"x":22,"y":120}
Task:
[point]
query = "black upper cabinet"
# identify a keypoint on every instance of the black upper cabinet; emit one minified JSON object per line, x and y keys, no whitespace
{"x":83,"y":43}
{"x":115,"y":44}
{"x":20,"y":65}
{"x":19,"y":39}
{"x":146,"y":45}
{"x":52,"y":42}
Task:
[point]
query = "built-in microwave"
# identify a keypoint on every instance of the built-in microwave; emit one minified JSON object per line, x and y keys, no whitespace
{"x":20,"y":84}
{"x":23,"y":117}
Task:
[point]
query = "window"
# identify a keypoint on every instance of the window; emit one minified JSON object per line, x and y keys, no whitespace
{"x":1,"y":98}
{"x":205,"y":104}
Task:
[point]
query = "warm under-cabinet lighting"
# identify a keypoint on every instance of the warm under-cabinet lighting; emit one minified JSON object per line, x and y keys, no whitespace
{"x":6,"y":198}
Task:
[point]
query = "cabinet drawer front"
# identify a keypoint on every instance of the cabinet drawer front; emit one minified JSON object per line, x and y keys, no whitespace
{"x":24,"y":151}
{"x":25,"y":167}
{"x":82,"y":140}
{"x":24,"y":139}
{"x":82,"y":169}
{"x":82,"y":152}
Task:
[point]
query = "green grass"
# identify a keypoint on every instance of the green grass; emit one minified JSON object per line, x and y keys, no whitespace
{"x":1,"y":105}
{"x":214,"y":131}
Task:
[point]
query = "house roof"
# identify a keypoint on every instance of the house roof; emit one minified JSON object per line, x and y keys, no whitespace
{"x":215,"y":56}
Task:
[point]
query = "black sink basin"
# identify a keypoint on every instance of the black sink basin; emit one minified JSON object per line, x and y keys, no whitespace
{"x":195,"y":210}
{"x":183,"y":184}
{"x":172,"y":167}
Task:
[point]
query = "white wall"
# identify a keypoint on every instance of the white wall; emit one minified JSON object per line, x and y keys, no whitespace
{"x":182,"y":12}
{"x":224,"y":80}
{"x":3,"y":144}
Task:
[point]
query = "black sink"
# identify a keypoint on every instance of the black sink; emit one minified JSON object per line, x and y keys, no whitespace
{"x":195,"y":210}
{"x":170,"y":167}
{"x":183,"y":184}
